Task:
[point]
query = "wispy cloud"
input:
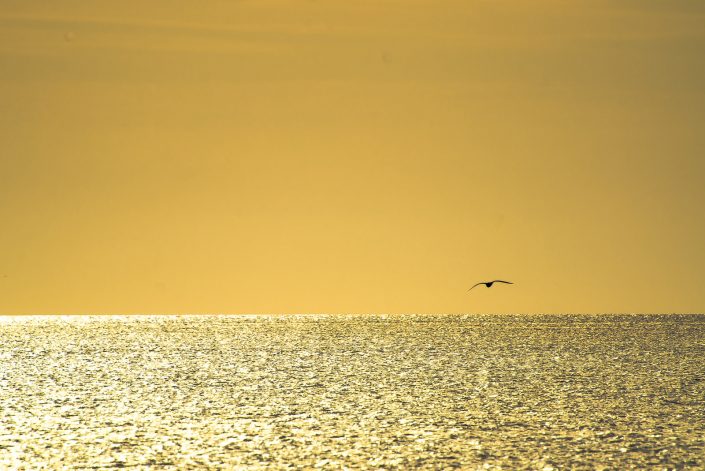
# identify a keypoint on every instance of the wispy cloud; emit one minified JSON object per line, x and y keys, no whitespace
{"x":454,"y":40}
{"x":25,"y":33}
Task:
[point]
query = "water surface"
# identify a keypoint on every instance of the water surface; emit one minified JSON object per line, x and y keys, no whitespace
{"x":413,"y":391}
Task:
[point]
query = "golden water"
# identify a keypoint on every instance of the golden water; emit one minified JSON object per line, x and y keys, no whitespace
{"x":415,"y":391}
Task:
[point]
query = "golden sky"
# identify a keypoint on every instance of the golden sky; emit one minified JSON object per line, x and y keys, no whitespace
{"x":352,"y":156}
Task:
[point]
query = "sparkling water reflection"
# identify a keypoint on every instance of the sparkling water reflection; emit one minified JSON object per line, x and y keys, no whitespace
{"x":417,"y":391}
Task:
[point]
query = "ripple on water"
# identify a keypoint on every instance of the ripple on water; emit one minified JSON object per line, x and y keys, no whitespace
{"x":358,"y":391}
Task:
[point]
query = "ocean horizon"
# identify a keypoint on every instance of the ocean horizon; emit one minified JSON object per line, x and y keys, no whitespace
{"x":370,"y":391}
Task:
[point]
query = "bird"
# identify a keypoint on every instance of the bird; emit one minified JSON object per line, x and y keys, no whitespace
{"x":490,"y":283}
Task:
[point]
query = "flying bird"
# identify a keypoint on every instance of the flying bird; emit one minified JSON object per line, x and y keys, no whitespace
{"x":490,"y":283}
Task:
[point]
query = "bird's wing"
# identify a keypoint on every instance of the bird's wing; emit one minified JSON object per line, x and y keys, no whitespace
{"x":476,"y":285}
{"x":502,"y":281}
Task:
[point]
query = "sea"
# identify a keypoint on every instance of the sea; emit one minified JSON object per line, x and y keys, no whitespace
{"x":477,"y":392}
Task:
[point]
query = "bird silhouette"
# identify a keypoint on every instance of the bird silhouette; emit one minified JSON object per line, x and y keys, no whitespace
{"x":490,"y":283}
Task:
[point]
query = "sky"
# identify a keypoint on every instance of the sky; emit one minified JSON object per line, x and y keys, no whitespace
{"x":282,"y":156}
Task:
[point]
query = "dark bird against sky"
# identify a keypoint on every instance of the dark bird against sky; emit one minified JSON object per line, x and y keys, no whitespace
{"x":490,"y":283}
